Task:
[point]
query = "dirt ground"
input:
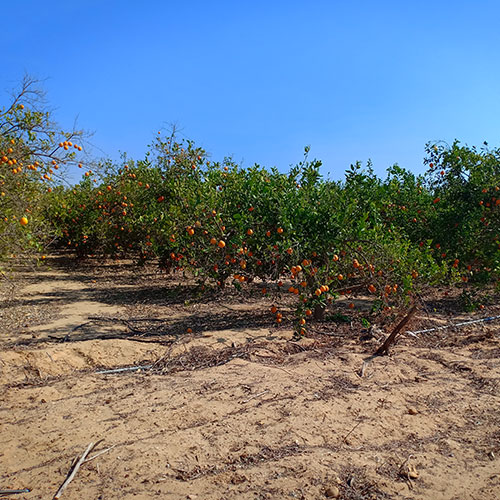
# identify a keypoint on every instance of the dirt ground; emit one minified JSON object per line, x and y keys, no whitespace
{"x":237,"y":409}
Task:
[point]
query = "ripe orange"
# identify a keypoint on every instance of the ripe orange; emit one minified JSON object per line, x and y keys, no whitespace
{"x":372,"y":288}
{"x":23,"y":221}
{"x":249,"y":232}
{"x":221,"y":244}
{"x":280,"y":230}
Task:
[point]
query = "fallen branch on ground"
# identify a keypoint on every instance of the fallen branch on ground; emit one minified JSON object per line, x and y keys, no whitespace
{"x":74,"y":470}
{"x":102,"y":452}
{"x":384,"y":348}
{"x":126,"y":369}
{"x":256,"y":396}
{"x":351,"y":431}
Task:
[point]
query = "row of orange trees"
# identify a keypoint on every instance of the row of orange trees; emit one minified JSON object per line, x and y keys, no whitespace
{"x":291,"y":233}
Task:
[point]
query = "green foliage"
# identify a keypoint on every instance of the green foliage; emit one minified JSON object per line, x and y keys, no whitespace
{"x":32,"y":151}
{"x":292,"y":232}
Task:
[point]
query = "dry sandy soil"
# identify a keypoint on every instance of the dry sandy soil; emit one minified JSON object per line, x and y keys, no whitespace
{"x":239,"y":408}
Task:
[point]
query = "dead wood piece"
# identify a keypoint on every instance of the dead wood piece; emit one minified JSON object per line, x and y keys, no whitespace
{"x":126,"y":369}
{"x":351,"y":431}
{"x":100,"y":453}
{"x":14,"y":492}
{"x":384,"y":348}
{"x":74,"y":470}
{"x":256,"y":396}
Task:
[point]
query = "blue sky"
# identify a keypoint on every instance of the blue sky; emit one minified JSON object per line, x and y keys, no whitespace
{"x":258,"y":81}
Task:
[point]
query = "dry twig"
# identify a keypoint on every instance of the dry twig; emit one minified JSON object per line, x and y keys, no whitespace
{"x":100,"y":453}
{"x":384,"y":348}
{"x":351,"y":431}
{"x":256,"y":396}
{"x":74,"y":470}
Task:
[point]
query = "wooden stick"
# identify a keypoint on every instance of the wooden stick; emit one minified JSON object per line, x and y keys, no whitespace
{"x":100,"y":453}
{"x":256,"y":396}
{"x":73,"y":471}
{"x":384,"y":348}
{"x":351,"y":431}
{"x":14,"y":492}
{"x":126,"y":369}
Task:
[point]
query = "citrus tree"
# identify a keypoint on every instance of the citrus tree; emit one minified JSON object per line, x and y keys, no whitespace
{"x":33,"y":153}
{"x":464,"y":220}
{"x":292,"y":233}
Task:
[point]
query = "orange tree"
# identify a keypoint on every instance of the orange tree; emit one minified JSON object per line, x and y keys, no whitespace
{"x":32,"y":152}
{"x":134,"y":208}
{"x":464,"y":220}
{"x":293,"y":233}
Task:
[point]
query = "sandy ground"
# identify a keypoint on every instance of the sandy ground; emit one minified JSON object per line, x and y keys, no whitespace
{"x":237,"y":409}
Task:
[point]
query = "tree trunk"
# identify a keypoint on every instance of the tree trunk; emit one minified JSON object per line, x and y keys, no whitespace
{"x":319,"y":312}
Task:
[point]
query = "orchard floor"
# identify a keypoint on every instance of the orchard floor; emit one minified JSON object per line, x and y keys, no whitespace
{"x":237,"y":409}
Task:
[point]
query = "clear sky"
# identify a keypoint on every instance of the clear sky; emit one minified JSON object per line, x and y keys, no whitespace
{"x":259,"y":80}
